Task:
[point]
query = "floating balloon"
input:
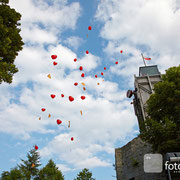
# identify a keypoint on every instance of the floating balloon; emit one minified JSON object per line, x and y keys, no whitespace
{"x":82,"y":75}
{"x":116,"y":62}
{"x":75,"y":83}
{"x":102,"y":74}
{"x":49,"y":76}
{"x":36,"y":147}
{"x":95,"y":76}
{"x":104,"y":68}
{"x":71,"y":98}
{"x":54,"y":56}
{"x":54,"y":63}
{"x":87,"y":52}
{"x":72,"y":139}
{"x":53,"y":96}
{"x":69,"y":124}
{"x":121,"y":51}
{"x":89,"y":28}
{"x":83,"y":97}
{"x":80,"y":68}
{"x":43,"y":109}
{"x":75,"y":60}
{"x":84,"y":88}
{"x":49,"y":115}
{"x":59,"y":121}
{"x":62,"y":95}
{"x":83,"y":83}
{"x":81,"y":112}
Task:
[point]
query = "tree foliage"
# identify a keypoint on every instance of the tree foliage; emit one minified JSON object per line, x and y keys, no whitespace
{"x":29,"y":168}
{"x":163,"y":122}
{"x":13,"y":174}
{"x":4,"y":1}
{"x":50,"y":171}
{"x":84,"y":175}
{"x":10,"y":41}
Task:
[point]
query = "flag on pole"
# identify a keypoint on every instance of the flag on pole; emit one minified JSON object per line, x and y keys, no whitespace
{"x":147,"y":58}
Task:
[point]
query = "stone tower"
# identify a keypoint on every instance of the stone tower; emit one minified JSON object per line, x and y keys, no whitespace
{"x":144,"y":84}
{"x":129,"y":158}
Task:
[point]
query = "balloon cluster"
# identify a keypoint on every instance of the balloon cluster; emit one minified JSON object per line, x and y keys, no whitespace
{"x":71,"y":98}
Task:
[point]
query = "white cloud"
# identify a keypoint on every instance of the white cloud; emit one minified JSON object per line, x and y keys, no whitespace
{"x":177,"y":5}
{"x":150,"y":23}
{"x":18,"y":120}
{"x":12,"y":160}
{"x":74,"y":42}
{"x":63,"y":168}
{"x":35,"y":63}
{"x":72,"y":154}
{"x":107,"y":116}
{"x":89,"y":62}
{"x":102,"y":121}
{"x":37,"y":35}
{"x":54,"y":16}
{"x":91,"y":163}
{"x":42,"y":23}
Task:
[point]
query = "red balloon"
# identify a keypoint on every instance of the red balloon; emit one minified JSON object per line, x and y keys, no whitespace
{"x":95,"y":76}
{"x":87,"y":52}
{"x":116,"y":62}
{"x":82,"y":75}
{"x":72,"y":139}
{"x":121,"y":51}
{"x":89,"y":28}
{"x":43,"y":109}
{"x":59,"y":121}
{"x":36,"y":147}
{"x":54,"y":63}
{"x":62,"y":95}
{"x":76,"y":84}
{"x":80,"y":68}
{"x":75,"y":60}
{"x":102,"y":74}
{"x":53,"y":96}
{"x":54,"y":56}
{"x":104,"y":68}
{"x":83,"y":97}
{"x":71,"y":98}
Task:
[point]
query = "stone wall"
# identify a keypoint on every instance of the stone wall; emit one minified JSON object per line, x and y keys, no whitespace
{"x":129,"y":162}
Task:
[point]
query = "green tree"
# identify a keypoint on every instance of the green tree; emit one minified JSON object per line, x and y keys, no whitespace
{"x":13,"y":174}
{"x":84,"y":175}
{"x":5,"y":175}
{"x":50,"y":171}
{"x":163,"y":122}
{"x":10,"y":41}
{"x":29,"y":168}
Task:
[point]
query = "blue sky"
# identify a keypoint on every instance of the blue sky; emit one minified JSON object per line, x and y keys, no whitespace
{"x":60,"y":27}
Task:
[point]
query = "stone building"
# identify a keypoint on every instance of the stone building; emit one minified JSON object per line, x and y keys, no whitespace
{"x":129,"y":162}
{"x":129,"y":159}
